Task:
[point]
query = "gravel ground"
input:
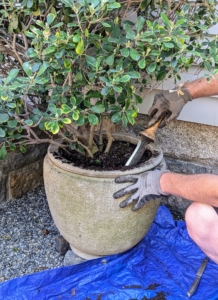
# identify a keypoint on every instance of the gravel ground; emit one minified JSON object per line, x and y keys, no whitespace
{"x":27,"y":234}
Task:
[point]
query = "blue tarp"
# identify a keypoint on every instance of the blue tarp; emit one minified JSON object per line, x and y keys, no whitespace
{"x":163,"y":264}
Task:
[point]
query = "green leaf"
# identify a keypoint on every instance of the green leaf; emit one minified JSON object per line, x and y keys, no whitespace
{"x":134,"y":54}
{"x":169,"y":45}
{"x":130,"y":118}
{"x":67,"y":63}
{"x":60,"y":54}
{"x":58,"y":25}
{"x":28,"y":122}
{"x":91,"y":61}
{"x":151,"y":68}
{"x":52,"y":108}
{"x":125,"y":78}
{"x":66,"y":120}
{"x":124,"y":52}
{"x":4,"y":118}
{"x":29,"y":34}
{"x":134,"y":74}
{"x":4,"y":96}
{"x":165,"y":19}
{"x":12,"y":123}
{"x":22,"y":149}
{"x":124,"y":120}
{"x":105,"y":24}
{"x":161,"y":75}
{"x":12,"y":146}
{"x":93,"y":119}
{"x":77,"y":38}
{"x":111,"y":6}
{"x":42,"y":69}
{"x":98,"y":108}
{"x":180,"y":22}
{"x":116,"y":117}
{"x":138,"y":99}
{"x":55,"y":128}
{"x":29,"y":3}
{"x":48,"y":50}
{"x":11,"y":105}
{"x":27,"y":68}
{"x":3,"y":152}
{"x":139,"y":23}
{"x":12,"y":74}
{"x":2,"y":132}
{"x":75,"y":115}
{"x":80,"y":121}
{"x":110,"y":60}
{"x":174,"y":62}
{"x":105,"y":91}
{"x":50,"y":18}
{"x":130,"y":34}
{"x":207,"y":65}
{"x":144,"y":4}
{"x":213,"y":51}
{"x":66,"y":108}
{"x":80,"y":47}
{"x":142,"y":63}
{"x":118,"y":89}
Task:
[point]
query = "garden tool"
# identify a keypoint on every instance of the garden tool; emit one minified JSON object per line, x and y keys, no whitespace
{"x":147,"y":137}
{"x":199,"y":274}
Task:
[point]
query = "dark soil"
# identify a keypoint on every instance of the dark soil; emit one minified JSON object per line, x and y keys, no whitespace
{"x":152,"y":286}
{"x":114,"y":160}
{"x":159,"y":296}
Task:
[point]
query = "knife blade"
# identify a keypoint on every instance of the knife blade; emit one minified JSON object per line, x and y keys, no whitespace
{"x":199,"y":274}
{"x":139,"y":151}
{"x":147,"y":137}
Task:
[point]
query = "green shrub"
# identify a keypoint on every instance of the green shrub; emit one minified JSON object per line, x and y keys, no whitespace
{"x":70,"y":67}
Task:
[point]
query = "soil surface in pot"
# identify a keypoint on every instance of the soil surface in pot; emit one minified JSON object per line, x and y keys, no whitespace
{"x":114,"y":160}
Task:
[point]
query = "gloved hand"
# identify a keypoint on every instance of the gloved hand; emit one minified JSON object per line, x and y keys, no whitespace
{"x":168,"y":104}
{"x":145,"y":187}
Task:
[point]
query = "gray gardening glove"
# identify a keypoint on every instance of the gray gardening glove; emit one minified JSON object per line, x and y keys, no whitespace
{"x":145,"y":187}
{"x":168,"y":104}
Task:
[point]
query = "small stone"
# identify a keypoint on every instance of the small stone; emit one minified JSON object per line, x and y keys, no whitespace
{"x":45,"y":231}
{"x":61,"y":245}
{"x":72,"y":259}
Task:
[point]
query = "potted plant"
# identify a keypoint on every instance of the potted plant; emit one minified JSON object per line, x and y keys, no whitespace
{"x":70,"y":69}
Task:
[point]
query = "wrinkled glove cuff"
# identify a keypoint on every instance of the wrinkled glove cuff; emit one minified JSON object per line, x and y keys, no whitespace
{"x":187,"y":96}
{"x":155,"y":181}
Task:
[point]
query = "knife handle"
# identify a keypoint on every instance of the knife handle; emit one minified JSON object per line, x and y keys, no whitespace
{"x":193,"y":287}
{"x":150,"y":132}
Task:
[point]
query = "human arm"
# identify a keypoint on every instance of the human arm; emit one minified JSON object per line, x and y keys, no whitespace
{"x":150,"y":185}
{"x":169,"y":103}
{"x":201,"y":188}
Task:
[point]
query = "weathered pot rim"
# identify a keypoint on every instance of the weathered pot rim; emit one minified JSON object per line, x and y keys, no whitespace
{"x":69,"y":167}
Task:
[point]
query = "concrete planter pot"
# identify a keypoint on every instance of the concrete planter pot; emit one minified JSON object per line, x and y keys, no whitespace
{"x":85,"y":212}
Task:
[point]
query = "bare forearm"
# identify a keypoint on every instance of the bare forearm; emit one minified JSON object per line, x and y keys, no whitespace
{"x":203,"y":88}
{"x":200,"y":188}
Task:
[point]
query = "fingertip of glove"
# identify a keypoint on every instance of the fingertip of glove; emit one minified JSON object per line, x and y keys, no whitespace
{"x":134,"y":208}
{"x":115,"y":196}
{"x":117,"y":180}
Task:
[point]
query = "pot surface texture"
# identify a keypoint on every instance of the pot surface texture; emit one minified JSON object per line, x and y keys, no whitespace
{"x":84,"y":210}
